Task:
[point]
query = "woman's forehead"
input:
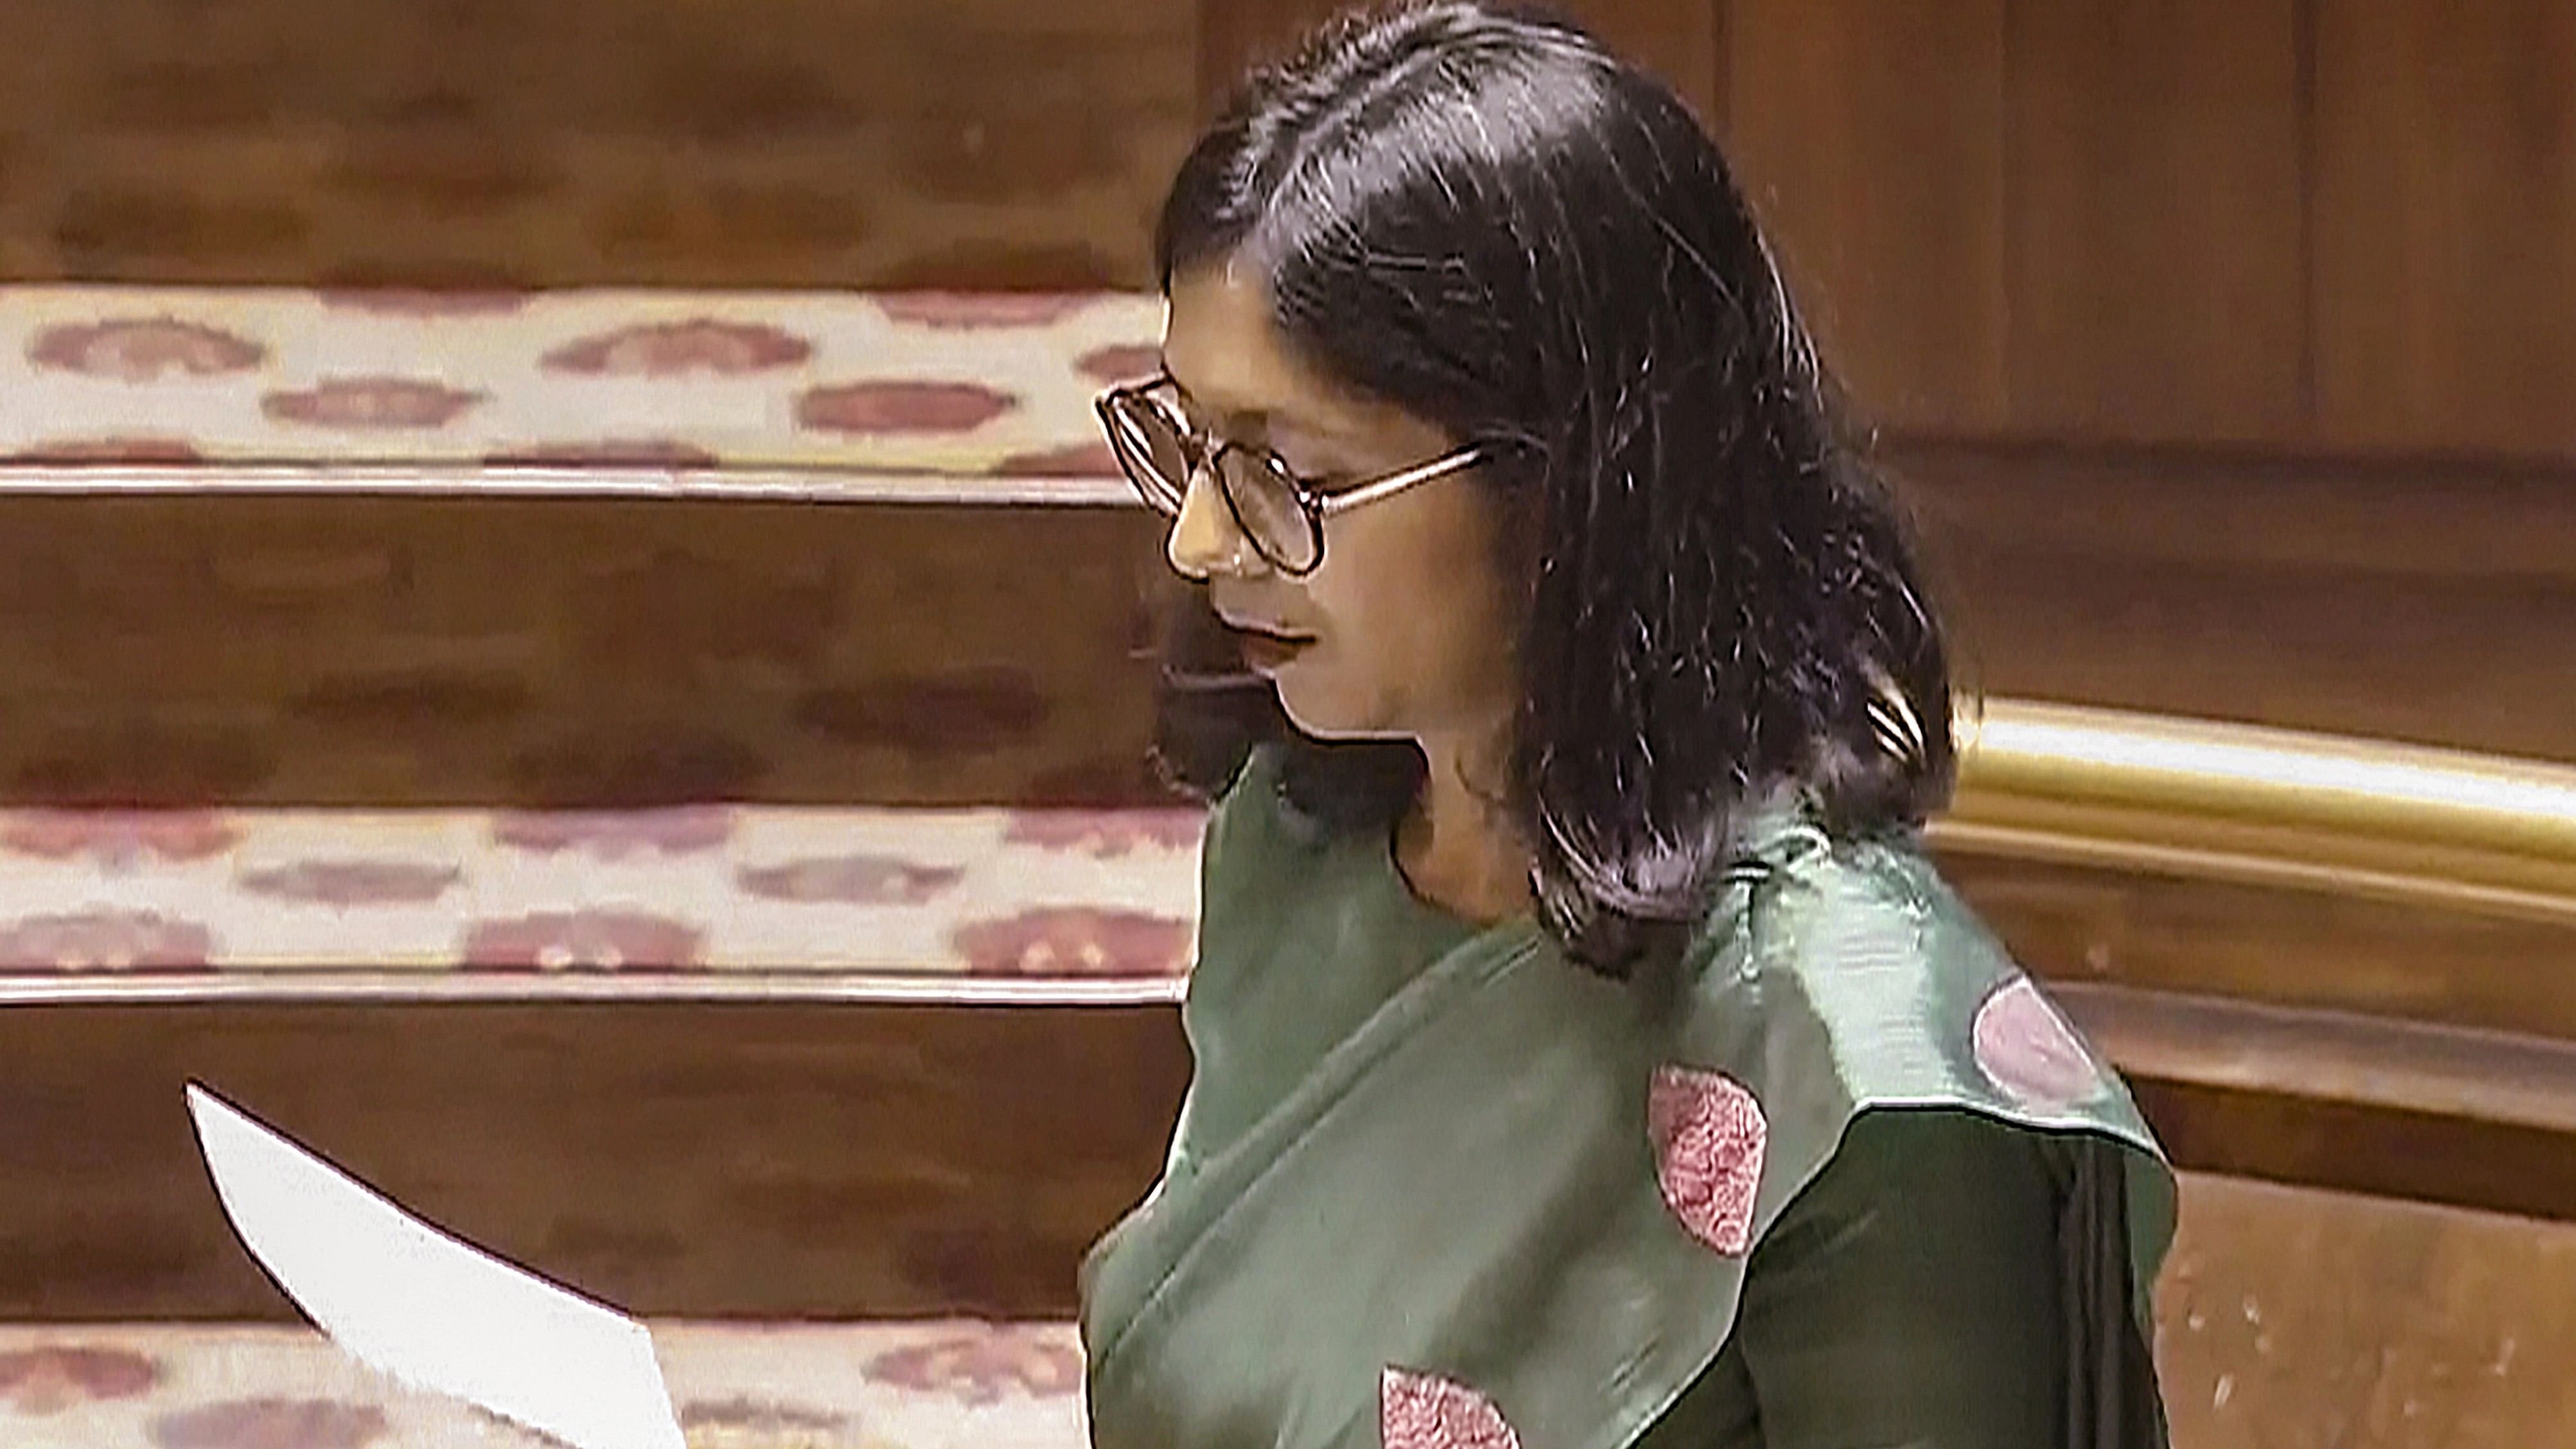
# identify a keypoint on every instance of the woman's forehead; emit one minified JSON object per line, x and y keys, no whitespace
{"x":1233,"y":369}
{"x":1221,"y":347}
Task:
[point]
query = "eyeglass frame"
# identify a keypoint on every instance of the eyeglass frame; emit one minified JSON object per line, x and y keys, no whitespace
{"x":1313,"y":502}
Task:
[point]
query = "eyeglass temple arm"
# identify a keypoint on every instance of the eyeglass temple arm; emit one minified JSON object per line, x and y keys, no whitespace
{"x":1441,"y":467}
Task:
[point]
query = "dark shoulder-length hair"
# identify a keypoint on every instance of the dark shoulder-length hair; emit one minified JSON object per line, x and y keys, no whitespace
{"x":1479,"y":215}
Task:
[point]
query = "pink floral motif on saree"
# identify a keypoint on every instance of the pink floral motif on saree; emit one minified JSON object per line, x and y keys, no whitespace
{"x":2025,"y":1048}
{"x":1423,"y":1411}
{"x":1709,"y":1136}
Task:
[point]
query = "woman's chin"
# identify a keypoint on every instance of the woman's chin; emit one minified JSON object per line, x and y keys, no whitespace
{"x":1326,"y":717}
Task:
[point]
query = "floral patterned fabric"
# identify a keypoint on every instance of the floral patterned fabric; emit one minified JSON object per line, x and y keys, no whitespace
{"x":864,"y":391}
{"x":1046,"y":893}
{"x":939,"y":1385}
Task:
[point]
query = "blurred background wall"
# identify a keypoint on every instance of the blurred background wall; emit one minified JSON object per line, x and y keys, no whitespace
{"x":2230,"y":344}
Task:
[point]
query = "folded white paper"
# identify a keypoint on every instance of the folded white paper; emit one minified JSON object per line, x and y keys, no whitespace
{"x":433,"y":1312}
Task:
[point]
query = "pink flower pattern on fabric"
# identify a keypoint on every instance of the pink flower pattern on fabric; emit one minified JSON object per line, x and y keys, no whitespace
{"x":120,"y":839}
{"x":677,"y":349}
{"x":584,"y":940}
{"x":1709,"y":1135}
{"x":858,"y":879}
{"x":145,"y":350}
{"x":369,"y":403}
{"x":2029,"y":1052}
{"x":272,"y":1424}
{"x":901,"y":405}
{"x":349,"y":884}
{"x":982,"y":1364}
{"x":51,"y":1379}
{"x":1424,"y":1411}
{"x":1120,"y":362}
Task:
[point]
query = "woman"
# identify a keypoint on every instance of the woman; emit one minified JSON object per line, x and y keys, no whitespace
{"x":1586,"y":1054}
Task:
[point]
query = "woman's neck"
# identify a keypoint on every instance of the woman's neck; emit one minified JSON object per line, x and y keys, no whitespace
{"x":1457,"y":847}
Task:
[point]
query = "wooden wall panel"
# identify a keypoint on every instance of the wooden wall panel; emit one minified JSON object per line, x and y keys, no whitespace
{"x":1677,"y":40}
{"x":2311,"y":951}
{"x":411,"y":651}
{"x":801,"y":1159}
{"x":2401,"y":600}
{"x":1870,"y":135}
{"x":2155,"y":246}
{"x":2446,"y":224}
{"x":781,"y":142}
{"x":1674,"y":39}
{"x":2300,"y":1317}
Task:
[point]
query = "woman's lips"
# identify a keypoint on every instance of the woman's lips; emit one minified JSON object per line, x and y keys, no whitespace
{"x":1265,"y":652}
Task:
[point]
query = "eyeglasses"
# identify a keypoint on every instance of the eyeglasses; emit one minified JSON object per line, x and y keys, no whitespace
{"x":1280,"y":513}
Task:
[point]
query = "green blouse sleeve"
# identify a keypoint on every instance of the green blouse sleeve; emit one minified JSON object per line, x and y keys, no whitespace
{"x":1911,"y":1296}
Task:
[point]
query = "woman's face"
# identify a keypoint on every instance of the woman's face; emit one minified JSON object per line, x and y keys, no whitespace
{"x":1405,"y":624}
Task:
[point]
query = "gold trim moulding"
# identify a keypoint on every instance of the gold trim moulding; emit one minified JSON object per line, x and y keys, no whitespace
{"x":2265,"y":806}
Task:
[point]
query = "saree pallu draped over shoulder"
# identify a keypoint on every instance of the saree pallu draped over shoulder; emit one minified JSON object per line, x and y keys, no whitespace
{"x":1436,"y":1187}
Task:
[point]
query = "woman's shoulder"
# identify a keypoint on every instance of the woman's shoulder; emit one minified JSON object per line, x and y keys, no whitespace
{"x":1856,"y":960}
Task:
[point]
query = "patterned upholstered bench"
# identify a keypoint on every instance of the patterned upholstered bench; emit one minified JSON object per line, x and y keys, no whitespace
{"x":357,"y":579}
{"x":930,"y":1385}
{"x":107,"y":905}
{"x":842,"y":396}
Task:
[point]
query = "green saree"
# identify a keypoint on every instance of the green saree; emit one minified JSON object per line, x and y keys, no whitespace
{"x":1845,"y":1178}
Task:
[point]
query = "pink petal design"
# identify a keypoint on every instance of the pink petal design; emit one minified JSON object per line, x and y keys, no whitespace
{"x":144,"y":350}
{"x":104,"y":939}
{"x":2028,"y":1051}
{"x":857,"y":880}
{"x":134,"y":451}
{"x":617,"y":834}
{"x":599,"y":940}
{"x":353,"y":883}
{"x":1106,"y":834}
{"x":1073,"y":460}
{"x":981,"y":309}
{"x":272,"y":1424}
{"x":1075,"y":941}
{"x":982,"y":1364}
{"x":607,"y":453}
{"x":1422,"y":1411}
{"x":677,"y":349}
{"x":1120,"y":362}
{"x":52,"y":1378}
{"x":907,"y":405}
{"x":1709,"y":1135}
{"x":372,"y":404}
{"x":120,"y":838}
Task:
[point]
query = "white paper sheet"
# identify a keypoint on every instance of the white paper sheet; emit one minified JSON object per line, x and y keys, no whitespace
{"x":433,"y":1312}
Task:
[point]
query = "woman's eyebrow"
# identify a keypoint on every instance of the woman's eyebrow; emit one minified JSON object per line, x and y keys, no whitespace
{"x":1199,"y":413}
{"x":1260,"y":419}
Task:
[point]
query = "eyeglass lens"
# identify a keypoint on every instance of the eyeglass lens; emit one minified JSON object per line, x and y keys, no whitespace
{"x":1265,"y":502}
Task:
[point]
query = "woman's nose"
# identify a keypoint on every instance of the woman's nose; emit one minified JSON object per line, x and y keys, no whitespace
{"x":1204,"y":539}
